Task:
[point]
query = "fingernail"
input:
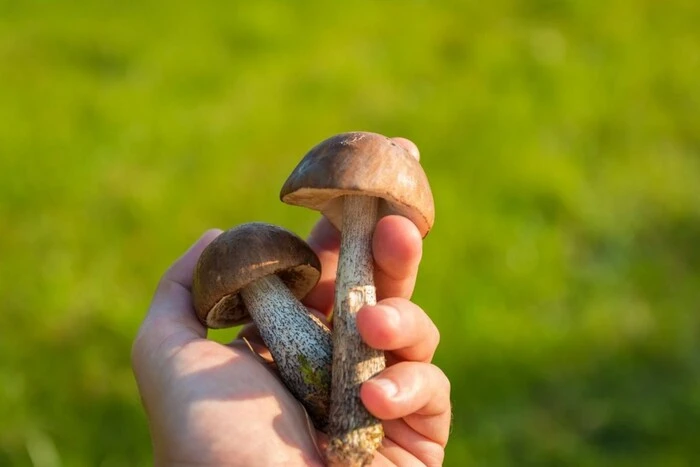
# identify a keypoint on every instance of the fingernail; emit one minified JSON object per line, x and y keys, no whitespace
{"x":388,"y":387}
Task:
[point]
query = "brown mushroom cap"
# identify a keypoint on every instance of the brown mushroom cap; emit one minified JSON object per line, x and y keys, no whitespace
{"x":361,"y":163}
{"x":242,"y":255}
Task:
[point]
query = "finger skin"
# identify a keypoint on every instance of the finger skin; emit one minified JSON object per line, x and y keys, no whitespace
{"x":171,"y":297}
{"x":399,"y":326}
{"x":417,"y":392}
{"x":398,"y":247}
{"x":406,"y":439}
{"x":393,"y":454}
{"x":325,"y":241}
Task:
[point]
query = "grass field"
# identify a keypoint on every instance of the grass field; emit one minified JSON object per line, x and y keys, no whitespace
{"x":561,"y":139}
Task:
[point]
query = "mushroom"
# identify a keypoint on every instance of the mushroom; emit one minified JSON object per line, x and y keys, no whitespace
{"x":260,"y":271}
{"x":353,"y":179}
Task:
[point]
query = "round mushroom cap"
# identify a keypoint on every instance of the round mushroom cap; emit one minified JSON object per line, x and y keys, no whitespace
{"x":362,"y":163}
{"x":242,"y":255}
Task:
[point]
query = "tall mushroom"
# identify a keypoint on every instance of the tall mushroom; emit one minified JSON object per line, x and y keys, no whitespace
{"x":353,"y":179}
{"x":259,"y":271}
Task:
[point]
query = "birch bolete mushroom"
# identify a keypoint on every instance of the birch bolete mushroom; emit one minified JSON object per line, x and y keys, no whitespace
{"x":259,"y":271}
{"x":354,"y":179}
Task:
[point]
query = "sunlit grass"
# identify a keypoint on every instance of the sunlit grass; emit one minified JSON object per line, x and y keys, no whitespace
{"x":560,"y":138}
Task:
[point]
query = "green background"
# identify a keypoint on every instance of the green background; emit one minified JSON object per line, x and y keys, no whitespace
{"x":561,"y":139}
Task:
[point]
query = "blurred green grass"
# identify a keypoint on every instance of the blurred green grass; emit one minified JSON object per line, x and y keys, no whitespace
{"x":561,"y":138}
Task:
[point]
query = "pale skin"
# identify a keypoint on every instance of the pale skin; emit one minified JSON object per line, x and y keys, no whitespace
{"x":210,"y":404}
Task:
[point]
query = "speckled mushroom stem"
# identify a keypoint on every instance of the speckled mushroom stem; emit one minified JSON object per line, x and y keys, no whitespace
{"x":300,"y":343}
{"x":354,"y":433}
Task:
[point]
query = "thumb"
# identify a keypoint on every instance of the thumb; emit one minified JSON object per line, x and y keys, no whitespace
{"x":171,"y":313}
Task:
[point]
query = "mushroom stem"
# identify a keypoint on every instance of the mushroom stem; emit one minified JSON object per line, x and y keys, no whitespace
{"x":354,"y":433}
{"x":299,"y":342}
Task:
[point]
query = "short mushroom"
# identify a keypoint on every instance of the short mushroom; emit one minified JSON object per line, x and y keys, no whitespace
{"x":259,"y":271}
{"x":353,"y":179}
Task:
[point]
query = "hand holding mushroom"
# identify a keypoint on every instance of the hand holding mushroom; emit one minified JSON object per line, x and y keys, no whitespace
{"x":215,"y":404}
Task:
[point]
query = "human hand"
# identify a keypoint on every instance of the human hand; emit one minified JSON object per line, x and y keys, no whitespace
{"x":213,"y":404}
